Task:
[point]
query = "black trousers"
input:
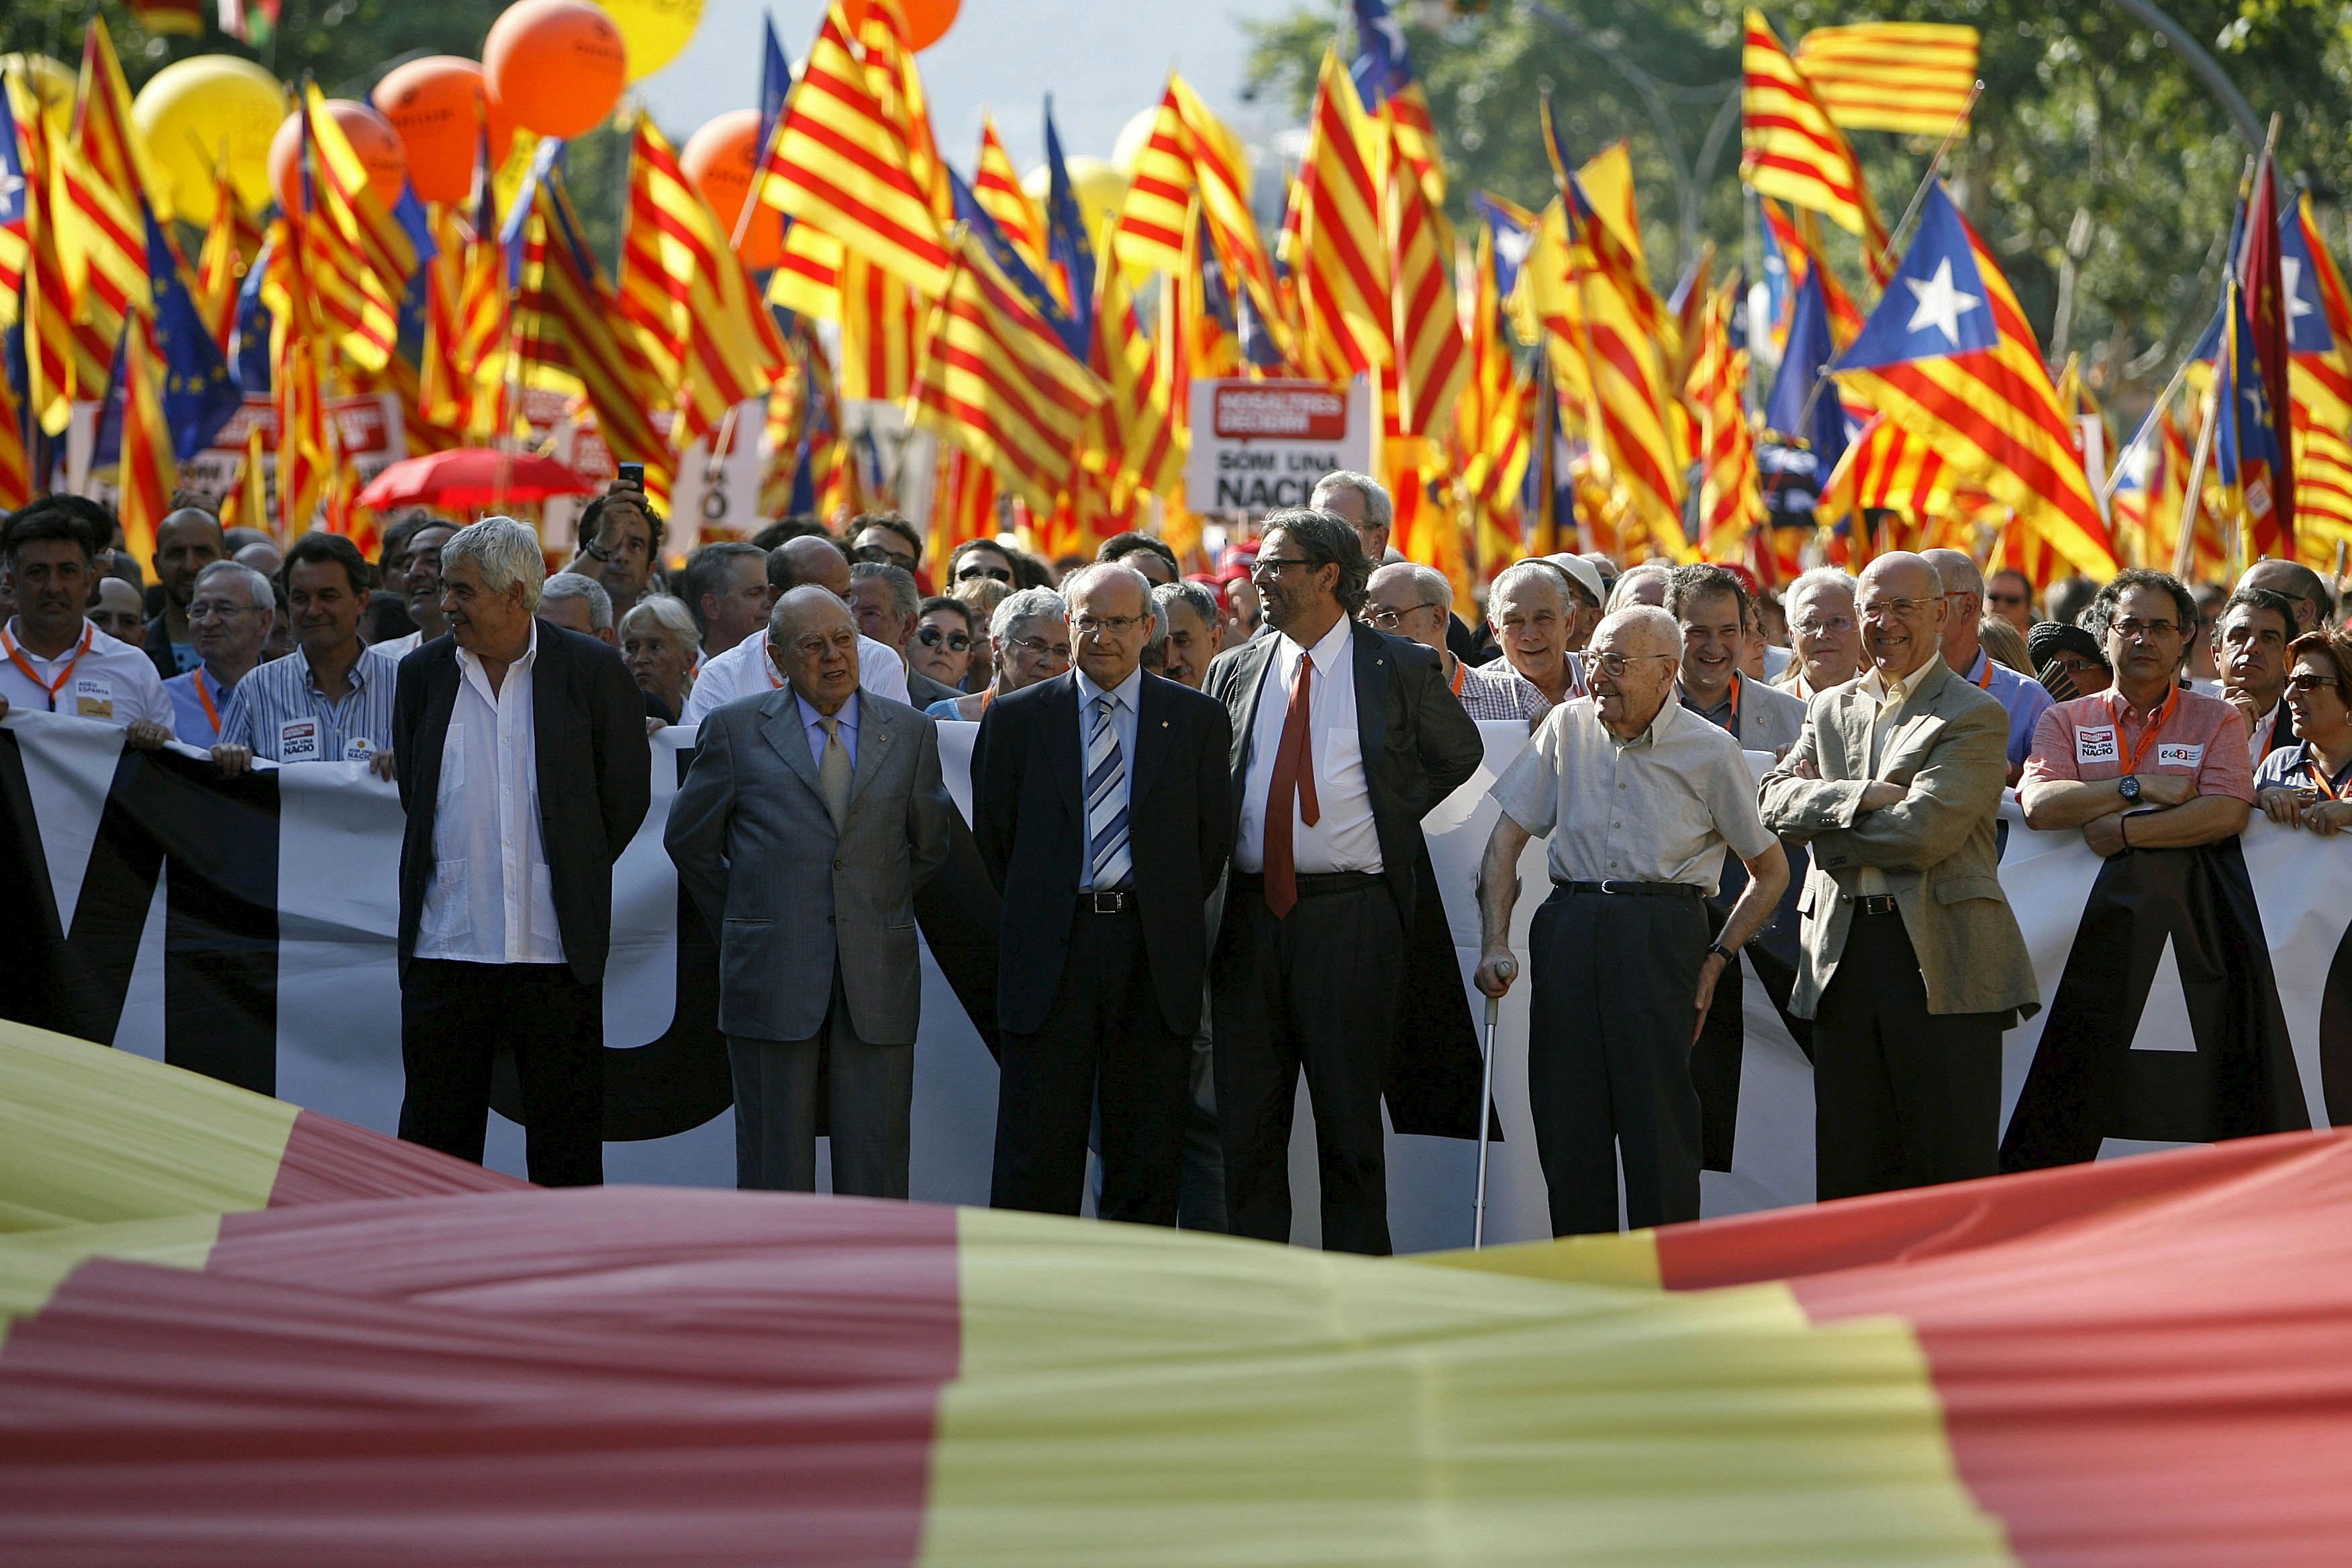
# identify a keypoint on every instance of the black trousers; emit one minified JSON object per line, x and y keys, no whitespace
{"x":1104,"y":1041}
{"x":1902,"y":1096}
{"x":868,"y":1092}
{"x":1316,"y":990}
{"x":1609,"y":1056}
{"x":454,"y":1017}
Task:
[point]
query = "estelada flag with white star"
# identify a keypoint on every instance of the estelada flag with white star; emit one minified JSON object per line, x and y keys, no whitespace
{"x":1947,"y":355}
{"x":2247,"y":452}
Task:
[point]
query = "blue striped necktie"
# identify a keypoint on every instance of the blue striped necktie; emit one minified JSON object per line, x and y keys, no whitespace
{"x":1106,"y":801}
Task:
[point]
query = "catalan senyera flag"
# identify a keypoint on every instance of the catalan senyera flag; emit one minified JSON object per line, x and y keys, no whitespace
{"x":479,"y":311}
{"x":2319,"y":381}
{"x":356,"y":256}
{"x":1790,"y":148}
{"x":1731,"y":504}
{"x":149,"y":472}
{"x":1892,"y":76}
{"x":246,"y":505}
{"x":1949,"y":355}
{"x":101,"y":175}
{"x":1342,"y":264}
{"x":1385,"y":82}
{"x":1138,"y":447}
{"x":1425,"y":322}
{"x":15,"y":468}
{"x":842,"y":160}
{"x":937,"y":1386}
{"x":1885,"y":468}
{"x":231,"y":240}
{"x":46,"y":302}
{"x":997,"y":185}
{"x":881,"y":331}
{"x":1193,"y":163}
{"x":1491,"y":418}
{"x":806,"y":280}
{"x":16,"y":250}
{"x":997,"y":379}
{"x":2166,"y":503}
{"x":684,"y":294}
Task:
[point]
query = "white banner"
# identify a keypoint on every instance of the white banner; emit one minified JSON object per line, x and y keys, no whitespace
{"x":317,"y":953}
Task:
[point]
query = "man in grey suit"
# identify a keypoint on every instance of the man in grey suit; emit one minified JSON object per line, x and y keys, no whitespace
{"x":1913,"y":962}
{"x":832,"y":802}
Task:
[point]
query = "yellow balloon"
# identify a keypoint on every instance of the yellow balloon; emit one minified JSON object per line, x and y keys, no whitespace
{"x":50,"y":81}
{"x":196,"y":113}
{"x":1133,"y":138}
{"x":1099,"y":187}
{"x":654,"y":30}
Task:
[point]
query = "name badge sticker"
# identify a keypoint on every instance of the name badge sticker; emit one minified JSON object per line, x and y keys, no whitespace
{"x":2095,"y":744}
{"x":358,"y":749}
{"x":2179,"y":754}
{"x":93,"y":697}
{"x":298,"y":741}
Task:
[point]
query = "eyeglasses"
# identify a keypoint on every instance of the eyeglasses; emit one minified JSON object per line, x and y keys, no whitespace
{"x":1275,"y":565}
{"x":1388,"y":616}
{"x":2299,"y":681}
{"x":1895,"y":609}
{"x":1614,"y":665}
{"x":1111,"y":626}
{"x":875,"y":554}
{"x":957,"y":642}
{"x":2134,"y":630}
{"x":204,"y":610}
{"x":1835,"y":626}
{"x":1037,"y":647}
{"x":973,"y":569}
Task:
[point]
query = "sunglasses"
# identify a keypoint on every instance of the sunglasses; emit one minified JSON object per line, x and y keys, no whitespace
{"x":881,"y":557}
{"x":970,"y":572}
{"x":2300,"y":681}
{"x":931,"y":636}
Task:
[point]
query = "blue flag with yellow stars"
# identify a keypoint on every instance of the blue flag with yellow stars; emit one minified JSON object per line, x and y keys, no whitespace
{"x":199,"y":395}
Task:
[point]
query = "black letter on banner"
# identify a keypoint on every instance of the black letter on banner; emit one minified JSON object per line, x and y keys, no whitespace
{"x":2086,"y":1082}
{"x":2335,"y":1036}
{"x":1717,"y":1058}
{"x":220,"y":934}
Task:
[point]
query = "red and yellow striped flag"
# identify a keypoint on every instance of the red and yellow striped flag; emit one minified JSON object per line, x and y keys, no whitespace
{"x":246,"y":505}
{"x":101,"y":237}
{"x":881,"y":323}
{"x":1885,"y":468}
{"x":1425,"y":322}
{"x":148,"y":471}
{"x":842,"y":160}
{"x":708,"y":340}
{"x":1341,"y":260}
{"x":996,"y":186}
{"x":997,"y":379}
{"x":45,"y":304}
{"x":1793,"y":150}
{"x":807,"y":276}
{"x":1892,"y":76}
{"x":2319,"y":383}
{"x":230,"y":242}
{"x":1731,"y":504}
{"x":1491,"y":416}
{"x":1800,"y":242}
{"x":15,"y":468}
{"x":1136,"y":446}
{"x":1192,"y":164}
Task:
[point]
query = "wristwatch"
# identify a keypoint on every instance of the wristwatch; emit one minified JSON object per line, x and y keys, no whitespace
{"x":1722,"y":953}
{"x":2128,"y":786}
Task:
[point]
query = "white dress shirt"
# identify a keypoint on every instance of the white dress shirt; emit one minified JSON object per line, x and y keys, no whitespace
{"x":109,"y":681}
{"x":1345,"y":837}
{"x":490,"y":899}
{"x":746,"y":670}
{"x":399,"y":648}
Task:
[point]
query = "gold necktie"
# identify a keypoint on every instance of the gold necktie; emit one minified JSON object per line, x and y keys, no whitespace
{"x":833,"y":772}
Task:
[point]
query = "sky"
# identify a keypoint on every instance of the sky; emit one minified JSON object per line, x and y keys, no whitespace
{"x":1103,"y":60}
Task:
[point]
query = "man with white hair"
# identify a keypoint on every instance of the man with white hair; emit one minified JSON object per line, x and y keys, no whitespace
{"x":1825,"y":631}
{"x":2025,"y":700}
{"x":230,"y":615}
{"x":1530,"y":610}
{"x":1642,"y":585}
{"x":1640,"y":797}
{"x":578,"y":604}
{"x":1411,"y":600}
{"x":506,"y":887}
{"x":1363,"y":503}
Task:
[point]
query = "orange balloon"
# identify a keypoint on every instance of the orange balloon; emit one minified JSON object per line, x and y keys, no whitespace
{"x":928,"y":21}
{"x":371,"y":136}
{"x":556,"y":67}
{"x":721,"y":159}
{"x":438,"y":105}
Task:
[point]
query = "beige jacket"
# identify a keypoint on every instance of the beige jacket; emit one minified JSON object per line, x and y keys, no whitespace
{"x":1948,"y":747}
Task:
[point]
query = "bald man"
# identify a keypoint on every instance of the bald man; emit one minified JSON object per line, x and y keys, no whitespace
{"x":1913,"y":962}
{"x":2314,"y":607}
{"x":2023,"y":701}
{"x":187,"y":541}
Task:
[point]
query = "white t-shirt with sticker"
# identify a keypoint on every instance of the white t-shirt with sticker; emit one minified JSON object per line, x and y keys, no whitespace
{"x":107,"y":681}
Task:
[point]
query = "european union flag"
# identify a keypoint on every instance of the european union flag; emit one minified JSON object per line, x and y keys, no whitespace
{"x":199,"y":395}
{"x":409,"y":213}
{"x":1936,"y":304}
{"x":1803,"y":365}
{"x":106,"y":437}
{"x":1068,"y":246}
{"x":1032,"y":288}
{"x":511,"y":237}
{"x":1381,"y":68}
{"x":249,"y":339}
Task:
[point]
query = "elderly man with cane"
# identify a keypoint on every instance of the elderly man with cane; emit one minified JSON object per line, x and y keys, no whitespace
{"x":1640,"y":797}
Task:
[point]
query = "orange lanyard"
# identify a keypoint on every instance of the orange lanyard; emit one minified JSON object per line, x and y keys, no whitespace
{"x":21,"y":662}
{"x":1460,"y":673}
{"x":2318,"y":776}
{"x":1737,"y":681}
{"x":1984,"y":682}
{"x":2147,"y":736}
{"x":205,"y":698}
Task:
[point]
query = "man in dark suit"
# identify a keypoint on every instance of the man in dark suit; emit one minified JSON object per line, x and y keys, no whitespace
{"x":1342,"y":739}
{"x":523,"y":768}
{"x":1102,"y":817}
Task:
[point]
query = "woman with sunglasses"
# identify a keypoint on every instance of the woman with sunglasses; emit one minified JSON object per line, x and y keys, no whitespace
{"x":2309,"y":784}
{"x":943,"y":647}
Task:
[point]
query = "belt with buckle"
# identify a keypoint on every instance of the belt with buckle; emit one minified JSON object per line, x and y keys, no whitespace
{"x":1107,"y":901}
{"x":1313,"y":884}
{"x":1631,"y":890}
{"x":1876,"y":904}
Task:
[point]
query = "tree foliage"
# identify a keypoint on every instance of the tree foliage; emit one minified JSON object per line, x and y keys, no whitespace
{"x":2098,"y":167}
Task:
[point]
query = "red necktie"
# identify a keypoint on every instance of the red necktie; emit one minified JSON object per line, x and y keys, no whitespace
{"x":1294,"y":780}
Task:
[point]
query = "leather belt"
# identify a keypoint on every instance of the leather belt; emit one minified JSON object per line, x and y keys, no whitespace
{"x":1107,"y":901}
{"x":1617,"y":890}
{"x":1876,"y":904}
{"x":1316,"y":883}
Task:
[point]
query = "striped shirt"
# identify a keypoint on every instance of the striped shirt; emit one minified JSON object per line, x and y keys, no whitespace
{"x":278,"y":712}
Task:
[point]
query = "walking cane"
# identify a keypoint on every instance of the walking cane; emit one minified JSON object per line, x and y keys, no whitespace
{"x":1506,"y":968}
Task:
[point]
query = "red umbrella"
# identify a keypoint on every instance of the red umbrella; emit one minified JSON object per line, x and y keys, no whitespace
{"x":472,"y":476}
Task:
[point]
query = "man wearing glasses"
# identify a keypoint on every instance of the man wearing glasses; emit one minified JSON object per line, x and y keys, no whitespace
{"x":1102,"y":815}
{"x":1406,"y":600}
{"x":1913,"y":963}
{"x":2146,"y":763}
{"x":230,"y":617}
{"x":2008,"y":594}
{"x":1640,"y":797}
{"x":1343,"y":738}
{"x":1821,"y":631}
{"x":885,"y":539}
{"x":2025,"y":700}
{"x":980,"y":558}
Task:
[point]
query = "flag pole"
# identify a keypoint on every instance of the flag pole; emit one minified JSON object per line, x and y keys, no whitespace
{"x":2184,"y":544}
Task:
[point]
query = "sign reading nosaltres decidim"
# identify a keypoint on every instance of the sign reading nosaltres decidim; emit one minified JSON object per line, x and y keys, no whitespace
{"x":1261,"y":445}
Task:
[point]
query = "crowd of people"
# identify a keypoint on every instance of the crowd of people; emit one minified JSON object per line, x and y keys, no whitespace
{"x":1200,"y":799}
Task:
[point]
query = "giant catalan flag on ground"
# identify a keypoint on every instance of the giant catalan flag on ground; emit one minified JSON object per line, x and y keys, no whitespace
{"x":232,"y":1331}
